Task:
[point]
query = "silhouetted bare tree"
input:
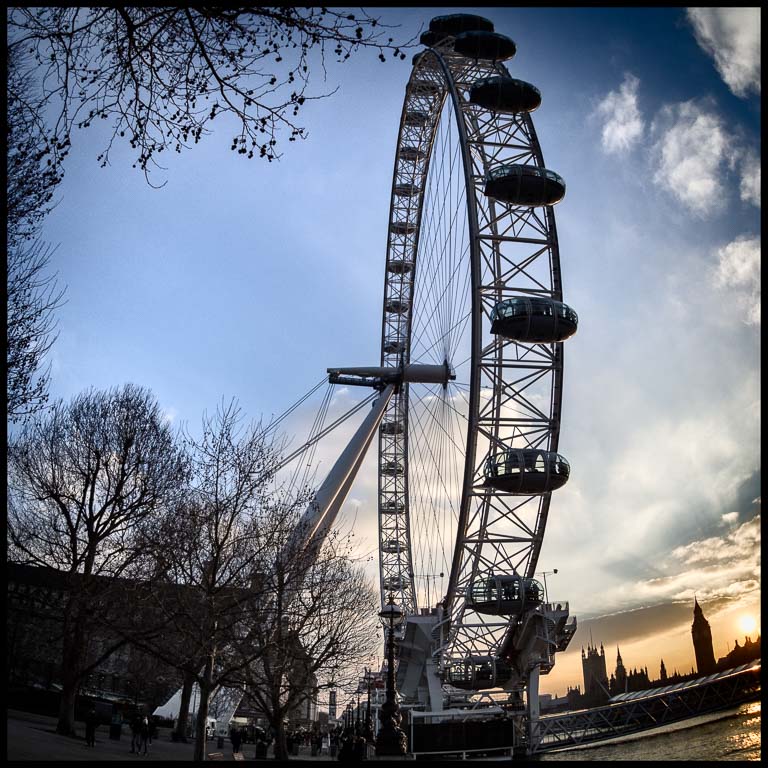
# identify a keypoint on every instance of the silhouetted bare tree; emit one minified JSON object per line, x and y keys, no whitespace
{"x":32,"y":296}
{"x":83,"y":479}
{"x":201,"y":560}
{"x":161,"y":76}
{"x":316,"y":627}
{"x":228,"y":603}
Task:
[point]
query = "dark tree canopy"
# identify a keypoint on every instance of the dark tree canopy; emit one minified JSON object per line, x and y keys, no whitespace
{"x":86,"y":475}
{"x":84,"y":479}
{"x":161,"y":76}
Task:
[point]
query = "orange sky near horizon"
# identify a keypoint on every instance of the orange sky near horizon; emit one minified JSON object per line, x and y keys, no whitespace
{"x":674,"y":645}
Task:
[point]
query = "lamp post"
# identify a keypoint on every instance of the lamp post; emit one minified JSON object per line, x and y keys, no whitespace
{"x":544,"y":574}
{"x":368,"y":720}
{"x":357,"y":719}
{"x":391,"y":740}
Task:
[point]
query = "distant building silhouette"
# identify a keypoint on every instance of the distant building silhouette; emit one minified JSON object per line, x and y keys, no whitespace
{"x":702,"y":642}
{"x":741,"y":654}
{"x":621,"y":674}
{"x":574,"y":697}
{"x":596,"y":688}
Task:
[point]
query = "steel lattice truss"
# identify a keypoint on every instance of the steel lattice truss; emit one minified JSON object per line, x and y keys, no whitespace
{"x":513,"y":390}
{"x":648,"y":711}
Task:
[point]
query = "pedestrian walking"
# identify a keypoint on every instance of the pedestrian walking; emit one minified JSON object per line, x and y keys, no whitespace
{"x":135,"y":733}
{"x":91,"y":721}
{"x":144,"y":734}
{"x":235,"y":737}
{"x":346,"y":750}
{"x":359,"y":749}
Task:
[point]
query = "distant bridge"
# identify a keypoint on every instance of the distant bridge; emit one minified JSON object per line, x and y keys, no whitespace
{"x":641,"y":710}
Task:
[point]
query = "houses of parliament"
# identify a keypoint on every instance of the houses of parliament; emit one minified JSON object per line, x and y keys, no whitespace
{"x":598,"y":687}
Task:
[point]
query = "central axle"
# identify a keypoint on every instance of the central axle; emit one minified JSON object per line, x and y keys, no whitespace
{"x":379,"y":377}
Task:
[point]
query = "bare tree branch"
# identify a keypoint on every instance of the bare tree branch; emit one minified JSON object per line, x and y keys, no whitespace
{"x":161,"y":76}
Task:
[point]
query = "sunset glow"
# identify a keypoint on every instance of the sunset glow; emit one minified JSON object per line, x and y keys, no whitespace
{"x":747,"y":624}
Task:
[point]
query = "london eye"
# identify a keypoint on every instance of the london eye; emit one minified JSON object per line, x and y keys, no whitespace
{"x":469,"y":387}
{"x":468,"y":464}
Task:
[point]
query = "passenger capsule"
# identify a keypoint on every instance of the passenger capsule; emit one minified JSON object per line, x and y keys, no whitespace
{"x":505,"y":94}
{"x":477,"y":673}
{"x":425,"y":87}
{"x":484,"y":45}
{"x":393,"y":346}
{"x":456,"y":23}
{"x":524,"y":185}
{"x":504,"y":595}
{"x":393,"y":583}
{"x":526,"y":471}
{"x":392,"y":546}
{"x":431,"y":39}
{"x":398,"y":306}
{"x":533,"y":319}
{"x":399,"y":266}
{"x":392,"y":427}
{"x":402,"y":227}
{"x":406,"y":190}
{"x":393,"y":507}
{"x":416,"y":118}
{"x":411,"y":154}
{"x":392,"y":468}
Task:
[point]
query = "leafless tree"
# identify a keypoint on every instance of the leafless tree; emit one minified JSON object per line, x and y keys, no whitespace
{"x":228,"y":604}
{"x":83,"y":479}
{"x":316,"y":628}
{"x":32,"y":296}
{"x":30,"y":179}
{"x":161,"y":76}
{"x":201,"y":569}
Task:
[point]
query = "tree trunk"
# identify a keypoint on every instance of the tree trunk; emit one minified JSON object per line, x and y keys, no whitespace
{"x":202,"y":713}
{"x":278,"y":724}
{"x":73,"y":648}
{"x":186,"y":695}
{"x":66,"y":722}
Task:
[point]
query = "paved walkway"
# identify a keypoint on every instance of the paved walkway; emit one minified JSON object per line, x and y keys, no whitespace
{"x":33,"y":737}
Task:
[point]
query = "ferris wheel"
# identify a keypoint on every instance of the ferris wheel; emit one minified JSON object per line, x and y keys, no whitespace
{"x":468,"y":461}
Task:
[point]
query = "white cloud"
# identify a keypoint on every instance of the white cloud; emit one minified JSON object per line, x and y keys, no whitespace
{"x":692,"y":154}
{"x":623,"y":124}
{"x":750,"y":179}
{"x":725,"y":566}
{"x":729,"y":517}
{"x":738,"y":272}
{"x":732,"y":37}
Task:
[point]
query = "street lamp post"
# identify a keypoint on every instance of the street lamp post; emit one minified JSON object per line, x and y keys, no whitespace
{"x":368,"y":720}
{"x":391,"y":740}
{"x":357,"y":719}
{"x":544,"y":574}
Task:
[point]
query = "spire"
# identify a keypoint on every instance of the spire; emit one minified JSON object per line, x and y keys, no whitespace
{"x":697,"y":608}
{"x":618,"y":656}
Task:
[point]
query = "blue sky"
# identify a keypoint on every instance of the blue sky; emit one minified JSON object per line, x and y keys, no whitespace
{"x":247,"y":279}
